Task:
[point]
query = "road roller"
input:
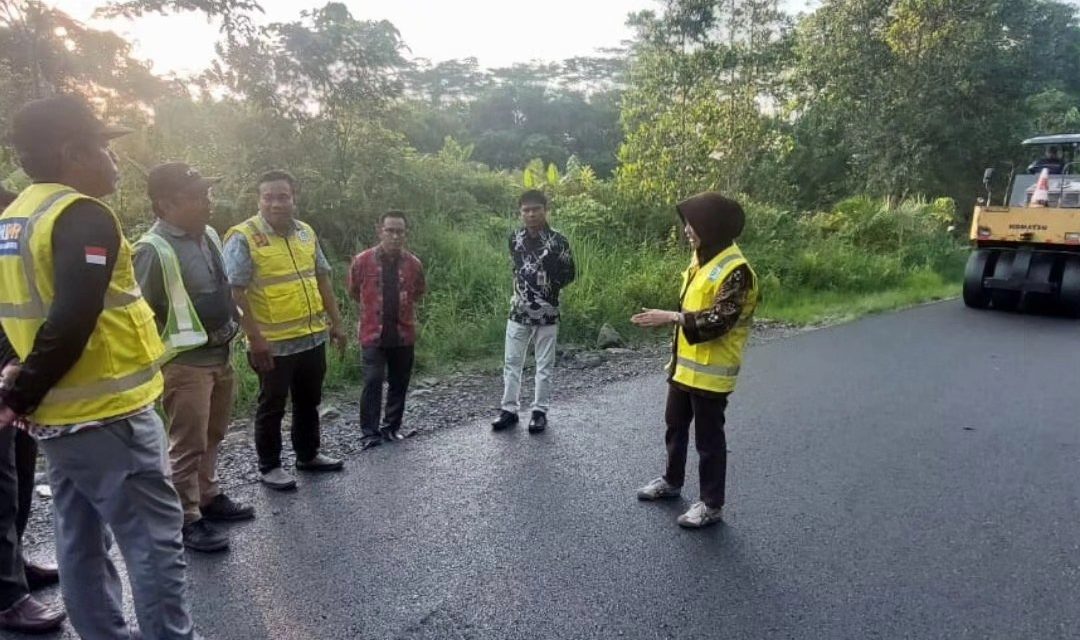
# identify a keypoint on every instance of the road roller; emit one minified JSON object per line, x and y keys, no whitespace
{"x":1026,"y":248}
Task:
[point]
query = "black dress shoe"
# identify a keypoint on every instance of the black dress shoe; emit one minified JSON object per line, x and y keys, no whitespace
{"x":223,"y":509}
{"x":203,"y":536}
{"x":39,"y":576}
{"x":538,"y":422}
{"x":30,"y":616}
{"x":506,"y":420}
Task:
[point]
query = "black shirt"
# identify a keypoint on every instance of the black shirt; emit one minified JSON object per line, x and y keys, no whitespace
{"x":543,"y":265}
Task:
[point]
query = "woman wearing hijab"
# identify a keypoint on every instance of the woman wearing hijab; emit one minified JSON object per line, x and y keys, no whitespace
{"x":719,"y":295}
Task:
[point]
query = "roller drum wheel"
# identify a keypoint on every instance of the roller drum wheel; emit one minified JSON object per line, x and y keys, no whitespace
{"x":1069,"y":293}
{"x":1000,"y":299}
{"x":975,"y":295}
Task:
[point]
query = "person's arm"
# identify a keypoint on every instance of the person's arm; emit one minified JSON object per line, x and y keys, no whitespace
{"x":326,"y":290}
{"x":152,"y":282}
{"x":240,"y":270}
{"x":712,"y":323}
{"x":421,"y":281}
{"x":7,"y":352}
{"x":517,"y":258}
{"x":81,"y":235}
{"x":258,"y":347}
{"x":724,"y":314}
{"x":563,"y":271}
{"x":355,"y":282}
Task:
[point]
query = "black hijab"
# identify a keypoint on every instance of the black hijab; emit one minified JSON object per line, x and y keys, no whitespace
{"x":715,"y":219}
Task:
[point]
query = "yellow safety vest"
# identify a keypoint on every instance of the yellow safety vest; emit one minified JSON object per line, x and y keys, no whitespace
{"x":182,"y":329}
{"x":284,"y":293}
{"x":117,"y":372}
{"x":713,"y":365}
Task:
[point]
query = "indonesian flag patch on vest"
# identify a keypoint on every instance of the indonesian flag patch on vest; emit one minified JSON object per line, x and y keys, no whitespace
{"x":96,"y":255}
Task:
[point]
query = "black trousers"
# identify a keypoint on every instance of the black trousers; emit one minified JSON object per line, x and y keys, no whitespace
{"x":301,"y":376}
{"x":18,"y":461}
{"x":707,"y":414}
{"x":392,"y":366}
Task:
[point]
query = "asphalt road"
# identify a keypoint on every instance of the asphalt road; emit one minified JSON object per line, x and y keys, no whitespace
{"x":911,"y":475}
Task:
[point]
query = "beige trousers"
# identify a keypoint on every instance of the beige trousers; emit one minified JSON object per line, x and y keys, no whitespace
{"x":198,"y":405}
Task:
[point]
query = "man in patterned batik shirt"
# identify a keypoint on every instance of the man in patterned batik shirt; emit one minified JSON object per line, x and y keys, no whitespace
{"x":543,"y":265}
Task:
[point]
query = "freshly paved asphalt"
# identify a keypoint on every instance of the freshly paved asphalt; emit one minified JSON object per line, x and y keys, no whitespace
{"x":912,"y":475}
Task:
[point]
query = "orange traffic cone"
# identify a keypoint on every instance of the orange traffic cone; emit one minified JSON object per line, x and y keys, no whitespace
{"x":1041,"y":196}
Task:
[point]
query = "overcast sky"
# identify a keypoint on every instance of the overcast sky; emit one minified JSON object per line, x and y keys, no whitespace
{"x":497,"y":32}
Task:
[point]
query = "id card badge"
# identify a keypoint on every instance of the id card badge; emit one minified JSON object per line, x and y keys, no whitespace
{"x":541,"y":278}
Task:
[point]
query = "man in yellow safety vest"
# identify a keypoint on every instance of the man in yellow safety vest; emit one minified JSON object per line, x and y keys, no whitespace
{"x":281,"y":281}
{"x":72,"y":313}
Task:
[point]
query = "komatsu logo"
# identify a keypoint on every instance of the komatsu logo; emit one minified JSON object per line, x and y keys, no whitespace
{"x":1028,"y":227}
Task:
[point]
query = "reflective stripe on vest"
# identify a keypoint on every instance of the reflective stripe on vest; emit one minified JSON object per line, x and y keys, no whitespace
{"x":183,"y":330}
{"x":289,"y":277}
{"x":34,"y":308}
{"x":710,"y":369}
{"x":272,"y":327}
{"x":117,"y":371}
{"x":103,"y":387}
{"x":40,"y":311}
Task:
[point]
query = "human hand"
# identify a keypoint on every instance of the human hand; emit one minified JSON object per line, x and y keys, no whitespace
{"x":7,"y":417}
{"x":655,"y":318}
{"x":259,"y":356}
{"x":338,"y":339}
{"x":9,"y":373}
{"x":7,"y":380}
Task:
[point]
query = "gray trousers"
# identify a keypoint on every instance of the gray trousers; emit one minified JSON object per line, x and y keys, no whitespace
{"x":518,"y":337}
{"x":118,"y":475}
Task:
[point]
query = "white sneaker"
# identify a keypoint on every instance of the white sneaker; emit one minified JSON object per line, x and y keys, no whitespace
{"x":699,"y":516}
{"x":278,"y":479}
{"x":658,"y":489}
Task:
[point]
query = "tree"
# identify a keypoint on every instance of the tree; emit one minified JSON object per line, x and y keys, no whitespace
{"x":44,"y":51}
{"x":235,"y":15}
{"x":917,"y":96}
{"x":447,"y":83}
{"x":701,"y":110}
{"x":326,"y":63}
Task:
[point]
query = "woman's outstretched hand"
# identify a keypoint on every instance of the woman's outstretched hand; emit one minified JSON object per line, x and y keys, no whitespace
{"x":655,"y":318}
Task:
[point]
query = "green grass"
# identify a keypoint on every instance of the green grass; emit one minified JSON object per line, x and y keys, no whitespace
{"x":803,"y":308}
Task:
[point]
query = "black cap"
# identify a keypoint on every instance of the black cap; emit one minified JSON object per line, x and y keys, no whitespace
{"x":168,"y":179}
{"x":50,"y":122}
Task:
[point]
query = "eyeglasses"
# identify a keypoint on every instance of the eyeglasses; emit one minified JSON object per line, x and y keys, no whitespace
{"x":395,"y":232}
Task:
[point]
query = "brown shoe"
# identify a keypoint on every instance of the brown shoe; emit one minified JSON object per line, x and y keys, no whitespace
{"x":30,"y":616}
{"x":39,"y":576}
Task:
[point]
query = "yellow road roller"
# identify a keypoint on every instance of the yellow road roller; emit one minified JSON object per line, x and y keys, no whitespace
{"x":1026,"y":248}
